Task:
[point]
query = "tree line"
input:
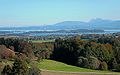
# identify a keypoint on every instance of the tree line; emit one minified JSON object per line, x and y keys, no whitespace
{"x":101,"y":54}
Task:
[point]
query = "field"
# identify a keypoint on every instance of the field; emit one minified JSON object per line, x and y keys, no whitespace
{"x":57,"y":68}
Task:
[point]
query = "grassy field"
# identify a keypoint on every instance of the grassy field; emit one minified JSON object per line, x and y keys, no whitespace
{"x":58,"y":66}
{"x":51,"y":67}
{"x":40,"y":41}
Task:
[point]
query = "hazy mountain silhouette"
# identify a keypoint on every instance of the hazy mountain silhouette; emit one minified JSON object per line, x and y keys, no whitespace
{"x":92,"y":24}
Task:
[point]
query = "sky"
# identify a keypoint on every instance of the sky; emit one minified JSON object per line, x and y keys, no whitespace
{"x":44,"y":12}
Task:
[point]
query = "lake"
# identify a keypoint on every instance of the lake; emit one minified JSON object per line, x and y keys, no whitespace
{"x":23,"y":32}
{"x":46,"y":34}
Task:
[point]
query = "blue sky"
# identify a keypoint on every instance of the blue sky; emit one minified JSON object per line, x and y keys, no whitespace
{"x":39,"y":12}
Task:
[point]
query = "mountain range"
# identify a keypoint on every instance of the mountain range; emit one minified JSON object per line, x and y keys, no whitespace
{"x":71,"y":25}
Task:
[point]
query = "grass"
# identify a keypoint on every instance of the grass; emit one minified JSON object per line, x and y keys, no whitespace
{"x":40,"y":41}
{"x":58,"y":66}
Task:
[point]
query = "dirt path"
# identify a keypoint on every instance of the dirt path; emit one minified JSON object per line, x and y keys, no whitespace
{"x":47,"y":72}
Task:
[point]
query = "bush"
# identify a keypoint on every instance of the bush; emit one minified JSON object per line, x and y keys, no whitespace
{"x":103,"y":66}
{"x":20,"y":67}
{"x":6,"y":53}
{"x":82,"y":62}
{"x":34,"y":71}
{"x":7,"y":70}
{"x":112,"y":64}
{"x":118,"y":67}
{"x":93,"y":63}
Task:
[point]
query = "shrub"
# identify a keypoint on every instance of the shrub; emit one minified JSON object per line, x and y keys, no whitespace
{"x":6,"y":53}
{"x":103,"y":66}
{"x":34,"y":71}
{"x":93,"y":63}
{"x":7,"y":70}
{"x":118,"y":67}
{"x":19,"y":67}
{"x":82,"y":62}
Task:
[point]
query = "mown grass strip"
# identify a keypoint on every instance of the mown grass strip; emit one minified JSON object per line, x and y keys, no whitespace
{"x":58,"y":66}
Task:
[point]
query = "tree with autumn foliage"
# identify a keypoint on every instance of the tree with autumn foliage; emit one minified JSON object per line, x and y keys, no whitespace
{"x":84,"y":53}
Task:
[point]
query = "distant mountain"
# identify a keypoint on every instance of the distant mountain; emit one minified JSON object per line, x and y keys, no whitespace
{"x":104,"y":24}
{"x":68,"y":25}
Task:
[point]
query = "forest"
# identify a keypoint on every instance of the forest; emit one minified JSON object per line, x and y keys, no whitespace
{"x":99,"y":53}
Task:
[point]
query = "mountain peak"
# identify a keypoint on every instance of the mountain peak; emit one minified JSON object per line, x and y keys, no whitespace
{"x":99,"y":20}
{"x":69,"y":23}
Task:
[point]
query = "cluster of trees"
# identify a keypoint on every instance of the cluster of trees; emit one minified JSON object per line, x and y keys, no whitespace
{"x":43,"y":50}
{"x":115,"y":42}
{"x":18,"y":45}
{"x":22,"y":52}
{"x":20,"y":67}
{"x":31,"y":50}
{"x":102,"y":53}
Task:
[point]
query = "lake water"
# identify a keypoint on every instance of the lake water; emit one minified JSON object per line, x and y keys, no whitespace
{"x":46,"y":34}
